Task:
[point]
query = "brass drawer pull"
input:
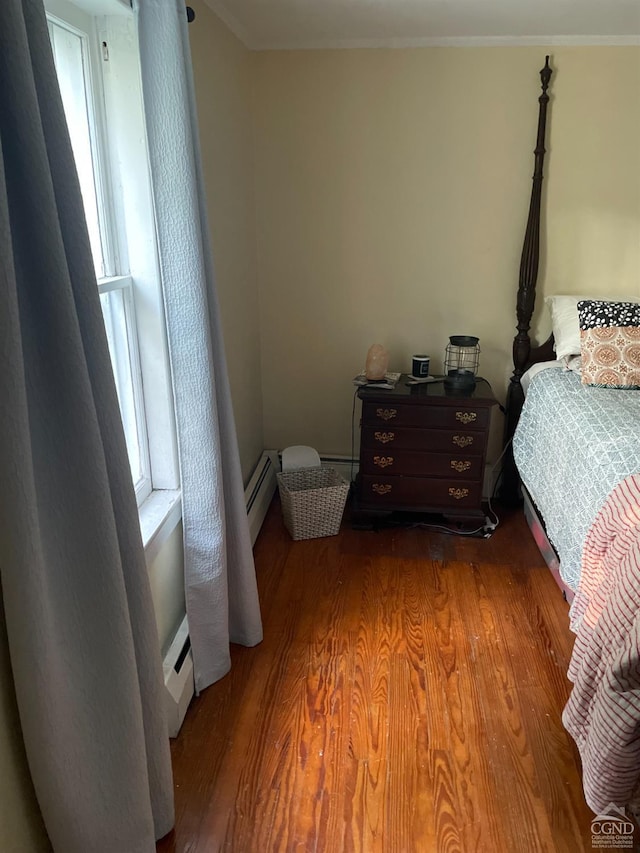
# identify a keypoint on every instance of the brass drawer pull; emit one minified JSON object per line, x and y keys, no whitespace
{"x":384,"y":437}
{"x":466,"y":417}
{"x":381,"y":488}
{"x":383,"y":461}
{"x":459,"y":493}
{"x":462,"y":440}
{"x":386,"y":414}
{"x":460,"y":466}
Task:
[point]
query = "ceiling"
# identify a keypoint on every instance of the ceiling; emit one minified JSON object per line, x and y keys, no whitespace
{"x":291,"y":24}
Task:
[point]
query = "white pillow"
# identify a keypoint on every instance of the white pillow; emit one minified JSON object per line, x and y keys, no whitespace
{"x":565,"y":323}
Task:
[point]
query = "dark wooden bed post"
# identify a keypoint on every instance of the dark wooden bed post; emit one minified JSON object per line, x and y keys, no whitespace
{"x":522,"y":352}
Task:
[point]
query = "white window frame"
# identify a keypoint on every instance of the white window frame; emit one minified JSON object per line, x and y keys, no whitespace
{"x":129,"y":248}
{"x":124,"y":283}
{"x":82,"y":26}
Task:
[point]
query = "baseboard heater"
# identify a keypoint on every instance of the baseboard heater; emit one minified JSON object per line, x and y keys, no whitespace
{"x":259,"y":492}
{"x":178,"y":678}
{"x":178,"y":662}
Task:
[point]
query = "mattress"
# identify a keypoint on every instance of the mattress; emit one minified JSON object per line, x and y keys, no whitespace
{"x":572,"y":446}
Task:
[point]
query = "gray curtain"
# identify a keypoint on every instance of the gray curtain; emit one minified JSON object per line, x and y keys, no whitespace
{"x":221,"y":594}
{"x":80,"y":624}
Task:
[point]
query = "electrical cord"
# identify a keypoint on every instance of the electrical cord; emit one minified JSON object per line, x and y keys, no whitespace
{"x":497,"y":480}
{"x":500,"y":406}
{"x":492,"y":520}
{"x":353,"y":439}
{"x":442,"y":528}
{"x":492,"y":525}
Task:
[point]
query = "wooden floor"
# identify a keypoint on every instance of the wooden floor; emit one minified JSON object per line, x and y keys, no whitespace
{"x":406,"y":698}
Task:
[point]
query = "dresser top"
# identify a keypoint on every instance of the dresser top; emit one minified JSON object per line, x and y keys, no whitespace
{"x":433,"y":393}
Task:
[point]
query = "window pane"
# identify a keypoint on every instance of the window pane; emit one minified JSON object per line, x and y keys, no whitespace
{"x":114,"y":307}
{"x":83,"y":106}
{"x":69,"y":54}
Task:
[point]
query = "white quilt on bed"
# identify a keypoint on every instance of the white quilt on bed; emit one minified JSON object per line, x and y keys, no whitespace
{"x":573,"y":444}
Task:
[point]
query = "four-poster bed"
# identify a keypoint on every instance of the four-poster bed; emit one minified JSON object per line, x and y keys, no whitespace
{"x":524,"y":354}
{"x":573,"y":453}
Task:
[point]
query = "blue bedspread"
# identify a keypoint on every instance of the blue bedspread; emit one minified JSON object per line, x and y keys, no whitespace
{"x":573,"y":444}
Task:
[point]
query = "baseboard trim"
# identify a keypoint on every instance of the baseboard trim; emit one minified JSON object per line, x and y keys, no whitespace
{"x":345,"y":465}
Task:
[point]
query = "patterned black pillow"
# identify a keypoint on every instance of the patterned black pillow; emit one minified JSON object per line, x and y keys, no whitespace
{"x":610,"y":343}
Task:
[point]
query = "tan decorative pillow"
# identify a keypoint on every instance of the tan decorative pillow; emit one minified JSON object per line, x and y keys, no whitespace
{"x":610,"y":343}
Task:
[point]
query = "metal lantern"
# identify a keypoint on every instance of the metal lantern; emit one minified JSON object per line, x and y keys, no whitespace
{"x":461,"y":360}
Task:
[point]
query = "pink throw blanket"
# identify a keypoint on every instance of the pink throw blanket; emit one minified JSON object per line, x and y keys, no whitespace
{"x":603,"y":711}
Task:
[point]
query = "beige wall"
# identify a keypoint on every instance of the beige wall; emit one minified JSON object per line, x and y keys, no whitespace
{"x":223,"y":71}
{"x":392,"y":193}
{"x":593,"y":178}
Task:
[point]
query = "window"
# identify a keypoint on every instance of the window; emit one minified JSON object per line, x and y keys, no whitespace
{"x":97,"y":66}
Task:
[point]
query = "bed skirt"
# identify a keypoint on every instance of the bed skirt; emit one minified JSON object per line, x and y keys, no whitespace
{"x":536,"y":526}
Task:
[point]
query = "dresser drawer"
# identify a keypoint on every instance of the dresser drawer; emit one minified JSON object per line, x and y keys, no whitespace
{"x":465,"y":416}
{"x":389,"y":438}
{"x":416,"y":464}
{"x":420,"y":492}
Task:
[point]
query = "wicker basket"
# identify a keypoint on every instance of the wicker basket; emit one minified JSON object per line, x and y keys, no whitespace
{"x":313,"y":501}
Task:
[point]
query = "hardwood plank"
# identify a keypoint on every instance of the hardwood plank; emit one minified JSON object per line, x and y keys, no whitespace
{"x":261,"y":782}
{"x":471,"y":770}
{"x":555,"y":758}
{"x":406,"y":699}
{"x":508,"y":718}
{"x":368,"y":730}
{"x":410,"y":816}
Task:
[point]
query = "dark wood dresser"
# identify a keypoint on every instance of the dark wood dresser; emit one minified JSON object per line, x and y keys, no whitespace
{"x":422,"y":449}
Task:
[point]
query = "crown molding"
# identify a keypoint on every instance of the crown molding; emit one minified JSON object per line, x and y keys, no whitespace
{"x":238,"y":29}
{"x":453,"y":41}
{"x":242,"y":33}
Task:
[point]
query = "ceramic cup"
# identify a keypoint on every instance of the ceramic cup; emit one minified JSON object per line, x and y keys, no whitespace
{"x":420,"y":366}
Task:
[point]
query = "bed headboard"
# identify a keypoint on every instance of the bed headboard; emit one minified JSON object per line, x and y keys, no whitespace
{"x":524,"y":354}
